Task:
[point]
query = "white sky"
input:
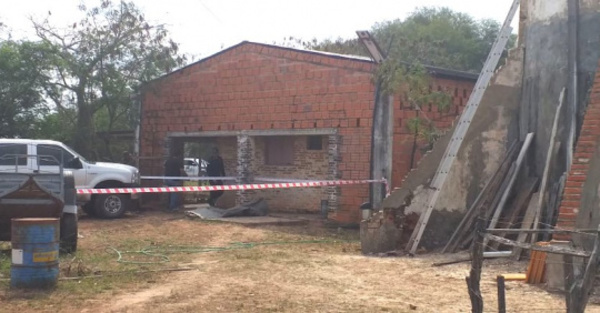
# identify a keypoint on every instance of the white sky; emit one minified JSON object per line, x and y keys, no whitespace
{"x":203,"y":27}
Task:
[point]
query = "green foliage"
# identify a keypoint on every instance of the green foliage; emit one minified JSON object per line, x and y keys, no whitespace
{"x":97,"y":64}
{"x":424,"y":129}
{"x":412,"y":80}
{"x":21,"y":102}
{"x":432,"y":36}
{"x":56,"y":126}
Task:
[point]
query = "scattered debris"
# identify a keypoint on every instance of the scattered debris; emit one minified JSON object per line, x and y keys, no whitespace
{"x":255,"y":208}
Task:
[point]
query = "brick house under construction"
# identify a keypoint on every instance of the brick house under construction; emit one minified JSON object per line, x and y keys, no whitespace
{"x":286,"y":113}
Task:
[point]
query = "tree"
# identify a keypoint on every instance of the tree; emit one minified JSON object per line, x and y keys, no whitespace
{"x":21,"y":80}
{"x":97,"y":63}
{"x":431,"y":36}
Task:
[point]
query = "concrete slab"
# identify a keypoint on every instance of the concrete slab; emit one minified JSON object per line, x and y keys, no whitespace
{"x":214,"y":214}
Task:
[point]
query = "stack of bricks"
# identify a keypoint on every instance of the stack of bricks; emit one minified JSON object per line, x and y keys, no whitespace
{"x":584,"y":151}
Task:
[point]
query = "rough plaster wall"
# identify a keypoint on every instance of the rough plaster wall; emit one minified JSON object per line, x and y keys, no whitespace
{"x":546,"y":70}
{"x":544,"y":10}
{"x":485,"y":143}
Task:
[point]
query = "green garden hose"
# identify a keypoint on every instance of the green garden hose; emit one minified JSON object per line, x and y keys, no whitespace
{"x":161,"y":252}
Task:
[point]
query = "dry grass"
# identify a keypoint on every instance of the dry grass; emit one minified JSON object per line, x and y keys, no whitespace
{"x":288,"y":277}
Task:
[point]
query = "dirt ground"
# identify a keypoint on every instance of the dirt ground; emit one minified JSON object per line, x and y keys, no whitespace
{"x":303,"y":268}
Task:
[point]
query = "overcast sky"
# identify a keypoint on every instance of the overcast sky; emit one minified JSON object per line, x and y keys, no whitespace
{"x":203,"y":27}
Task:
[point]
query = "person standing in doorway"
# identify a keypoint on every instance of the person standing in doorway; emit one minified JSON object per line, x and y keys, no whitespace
{"x":174,"y":168}
{"x":215,"y":168}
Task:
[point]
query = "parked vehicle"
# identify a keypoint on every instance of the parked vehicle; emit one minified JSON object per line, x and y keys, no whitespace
{"x":37,"y":194}
{"x":87,"y":174}
{"x":194,"y":167}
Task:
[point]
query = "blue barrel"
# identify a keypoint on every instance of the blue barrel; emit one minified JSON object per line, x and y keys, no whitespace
{"x":35,"y":243}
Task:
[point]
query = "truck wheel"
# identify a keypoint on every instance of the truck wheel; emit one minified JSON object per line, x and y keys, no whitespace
{"x":68,"y":233}
{"x":111,"y":206}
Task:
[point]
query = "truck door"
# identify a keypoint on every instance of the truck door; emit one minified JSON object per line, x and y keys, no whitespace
{"x":50,"y":156}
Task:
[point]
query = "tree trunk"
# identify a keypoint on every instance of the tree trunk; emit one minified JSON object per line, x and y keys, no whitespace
{"x":84,"y":133}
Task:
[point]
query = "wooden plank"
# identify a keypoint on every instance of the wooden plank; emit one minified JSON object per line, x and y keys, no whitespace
{"x":514,"y":277}
{"x":495,"y":199}
{"x":549,"y":156}
{"x":537,"y":265}
{"x":467,"y":221}
{"x":506,"y":193}
{"x":519,"y":206}
{"x":526,"y":224}
{"x":551,"y":249}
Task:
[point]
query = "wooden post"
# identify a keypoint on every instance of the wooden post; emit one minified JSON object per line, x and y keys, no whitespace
{"x":587,"y":285}
{"x":579,"y":293}
{"x":476,"y":263}
{"x":501,"y":294}
{"x":542,"y":200}
{"x":569,"y":281}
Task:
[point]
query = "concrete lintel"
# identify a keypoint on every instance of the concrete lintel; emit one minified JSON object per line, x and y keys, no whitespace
{"x":256,"y":133}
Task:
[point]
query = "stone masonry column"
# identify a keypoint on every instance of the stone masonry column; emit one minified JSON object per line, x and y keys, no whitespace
{"x":333,"y":173}
{"x":245,"y":158}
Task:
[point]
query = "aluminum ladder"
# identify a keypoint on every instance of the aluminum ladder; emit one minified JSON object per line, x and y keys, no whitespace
{"x":463,"y":126}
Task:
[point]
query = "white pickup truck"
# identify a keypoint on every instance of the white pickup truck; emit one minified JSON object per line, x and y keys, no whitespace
{"x":87,"y":174}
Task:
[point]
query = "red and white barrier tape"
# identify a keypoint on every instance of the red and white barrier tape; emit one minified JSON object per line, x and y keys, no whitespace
{"x":228,"y":187}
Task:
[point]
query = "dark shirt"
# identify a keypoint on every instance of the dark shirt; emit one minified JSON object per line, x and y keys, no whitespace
{"x":173,"y":167}
{"x":215,"y":167}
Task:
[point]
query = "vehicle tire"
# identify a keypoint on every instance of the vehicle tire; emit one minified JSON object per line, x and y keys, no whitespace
{"x":88,"y":208}
{"x":111,"y":206}
{"x":68,"y":233}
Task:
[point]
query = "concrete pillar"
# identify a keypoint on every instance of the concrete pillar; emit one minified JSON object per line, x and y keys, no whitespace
{"x":381,"y":146}
{"x":333,"y":173}
{"x":245,"y":158}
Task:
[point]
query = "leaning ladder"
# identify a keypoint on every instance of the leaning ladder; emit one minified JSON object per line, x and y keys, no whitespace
{"x":463,"y":125}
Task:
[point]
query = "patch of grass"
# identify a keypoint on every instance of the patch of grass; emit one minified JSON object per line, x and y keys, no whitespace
{"x":5,"y":263}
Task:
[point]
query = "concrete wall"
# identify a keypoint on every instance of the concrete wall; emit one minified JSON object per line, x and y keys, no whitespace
{"x":546,"y":73}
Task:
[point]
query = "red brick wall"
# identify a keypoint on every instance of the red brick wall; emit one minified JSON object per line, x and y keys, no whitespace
{"x":459,"y":90}
{"x":584,"y":151}
{"x":260,"y":87}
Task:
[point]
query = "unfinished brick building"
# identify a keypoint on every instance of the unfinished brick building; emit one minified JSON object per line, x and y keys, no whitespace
{"x":287,"y":113}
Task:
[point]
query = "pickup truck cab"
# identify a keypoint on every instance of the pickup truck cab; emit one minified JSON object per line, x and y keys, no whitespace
{"x":87,"y":174}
